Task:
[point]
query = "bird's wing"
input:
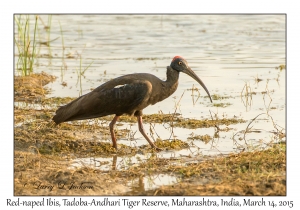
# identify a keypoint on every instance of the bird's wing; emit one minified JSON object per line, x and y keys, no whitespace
{"x":120,"y":99}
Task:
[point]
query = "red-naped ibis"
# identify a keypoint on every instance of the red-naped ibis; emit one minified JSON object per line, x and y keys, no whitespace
{"x":128,"y":94}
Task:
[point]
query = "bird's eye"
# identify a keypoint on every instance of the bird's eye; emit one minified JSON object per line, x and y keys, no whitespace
{"x":179,"y":62}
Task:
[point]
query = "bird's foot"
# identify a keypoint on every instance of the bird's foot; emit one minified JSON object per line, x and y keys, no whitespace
{"x":157,"y":149}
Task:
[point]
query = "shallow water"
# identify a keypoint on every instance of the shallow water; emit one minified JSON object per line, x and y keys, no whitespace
{"x":226,"y":51}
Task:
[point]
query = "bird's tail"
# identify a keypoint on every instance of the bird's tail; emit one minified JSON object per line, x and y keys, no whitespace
{"x":60,"y":116}
{"x":67,"y":112}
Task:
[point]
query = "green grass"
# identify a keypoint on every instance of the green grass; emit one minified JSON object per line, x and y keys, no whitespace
{"x":80,"y":73}
{"x":48,"y":30}
{"x":26,"y":46}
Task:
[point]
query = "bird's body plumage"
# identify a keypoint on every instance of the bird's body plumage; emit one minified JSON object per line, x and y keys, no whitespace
{"x":128,"y":94}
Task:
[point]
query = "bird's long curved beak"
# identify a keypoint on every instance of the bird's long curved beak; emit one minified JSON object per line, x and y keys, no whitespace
{"x":192,"y":74}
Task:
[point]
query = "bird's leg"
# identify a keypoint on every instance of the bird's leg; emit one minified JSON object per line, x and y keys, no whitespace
{"x":114,"y":163}
{"x":112,"y":133}
{"x":141,"y":129}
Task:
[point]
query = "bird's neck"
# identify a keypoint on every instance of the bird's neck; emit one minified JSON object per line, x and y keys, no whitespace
{"x":172,"y":77}
{"x":172,"y":80}
{"x":167,"y":88}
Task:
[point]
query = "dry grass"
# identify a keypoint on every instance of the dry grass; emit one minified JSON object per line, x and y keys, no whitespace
{"x":178,"y":121}
{"x":50,"y":175}
{"x":30,"y":88}
{"x":249,"y":173}
{"x":258,"y":173}
{"x":44,"y":152}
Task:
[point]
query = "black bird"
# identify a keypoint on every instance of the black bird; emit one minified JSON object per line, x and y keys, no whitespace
{"x":128,"y":94}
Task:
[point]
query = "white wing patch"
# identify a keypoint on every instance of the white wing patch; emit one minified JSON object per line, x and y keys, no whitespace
{"x":119,"y":86}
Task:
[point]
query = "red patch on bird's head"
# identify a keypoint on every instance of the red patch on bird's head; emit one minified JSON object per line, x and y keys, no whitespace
{"x":177,"y":56}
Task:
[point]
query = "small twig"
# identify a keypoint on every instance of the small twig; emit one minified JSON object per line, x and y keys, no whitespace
{"x":47,"y":42}
{"x":193,"y":95}
{"x":218,"y":129}
{"x":172,"y":120}
{"x":268,"y":92}
{"x":152,"y":130}
{"x":247,"y":128}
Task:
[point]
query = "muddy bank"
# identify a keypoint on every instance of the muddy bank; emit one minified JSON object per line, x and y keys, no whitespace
{"x":258,"y":173}
{"x":44,"y":156}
